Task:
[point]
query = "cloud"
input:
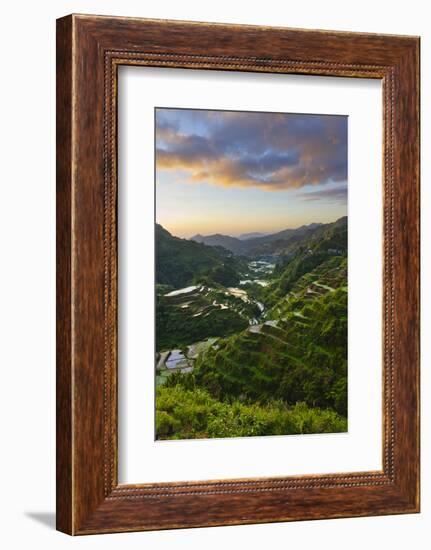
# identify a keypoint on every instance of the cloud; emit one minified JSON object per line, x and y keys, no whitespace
{"x":335,"y":194}
{"x":266,"y":150}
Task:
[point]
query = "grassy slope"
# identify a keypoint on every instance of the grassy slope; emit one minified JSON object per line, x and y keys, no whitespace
{"x":303,"y":358}
{"x":187,"y":414}
{"x":192,"y":317}
{"x":264,"y":375}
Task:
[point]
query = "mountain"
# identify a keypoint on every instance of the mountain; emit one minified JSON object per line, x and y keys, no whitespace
{"x":287,"y":233}
{"x":255,"y":244}
{"x":260,"y":359}
{"x":230,"y":243}
{"x":298,"y":351}
{"x":255,"y":235}
{"x":280,"y":243}
{"x":180,"y":262}
{"x":287,"y":243}
{"x":318,"y":249}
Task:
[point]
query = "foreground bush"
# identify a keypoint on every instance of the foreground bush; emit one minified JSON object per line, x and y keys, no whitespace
{"x":192,"y":414}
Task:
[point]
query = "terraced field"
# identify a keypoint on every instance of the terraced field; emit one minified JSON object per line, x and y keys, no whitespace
{"x":200,"y":312}
{"x":326,"y":277}
{"x":180,"y":361}
{"x":270,"y":349}
{"x":300,"y":357}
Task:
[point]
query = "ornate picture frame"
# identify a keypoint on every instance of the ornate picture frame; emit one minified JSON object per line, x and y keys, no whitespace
{"x":89,"y":51}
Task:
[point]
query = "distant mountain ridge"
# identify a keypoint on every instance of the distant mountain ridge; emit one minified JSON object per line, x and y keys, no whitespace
{"x":253,"y":235}
{"x":288,"y":232}
{"x":274,"y":243}
{"x":230,"y":243}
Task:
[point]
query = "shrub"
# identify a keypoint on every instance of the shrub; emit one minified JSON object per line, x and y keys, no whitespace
{"x":192,"y":414}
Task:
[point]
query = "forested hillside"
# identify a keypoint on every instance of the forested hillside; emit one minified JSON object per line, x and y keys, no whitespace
{"x":180,"y":262}
{"x":259,"y":350}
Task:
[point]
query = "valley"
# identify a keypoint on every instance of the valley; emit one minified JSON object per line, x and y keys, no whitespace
{"x":252,"y":339}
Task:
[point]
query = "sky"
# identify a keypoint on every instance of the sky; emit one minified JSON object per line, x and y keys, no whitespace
{"x":235,"y":172}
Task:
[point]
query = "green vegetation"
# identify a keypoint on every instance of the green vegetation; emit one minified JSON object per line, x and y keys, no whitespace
{"x":191,"y":414}
{"x":199,"y":314}
{"x":180,"y":262}
{"x":279,"y":362}
{"x":324,"y":250}
{"x":175,"y":328}
{"x":302,"y":358}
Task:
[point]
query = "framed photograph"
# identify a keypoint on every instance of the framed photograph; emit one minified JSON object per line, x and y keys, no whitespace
{"x":237,"y":274}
